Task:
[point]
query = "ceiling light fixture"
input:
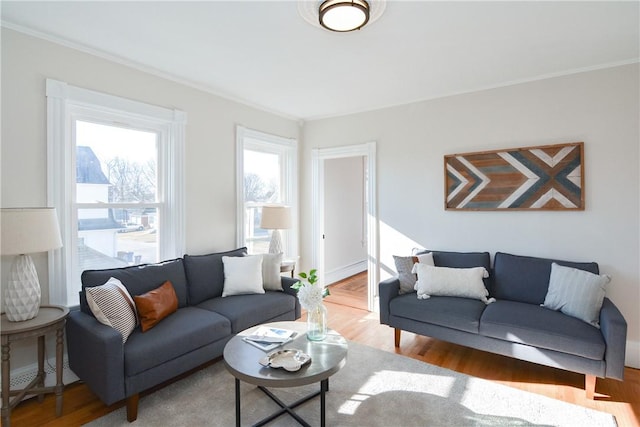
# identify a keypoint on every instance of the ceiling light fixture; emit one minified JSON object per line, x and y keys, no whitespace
{"x":344,"y":15}
{"x":320,"y":12}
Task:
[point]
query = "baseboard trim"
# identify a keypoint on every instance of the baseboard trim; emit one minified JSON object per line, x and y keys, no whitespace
{"x":632,"y":356}
{"x":341,"y":273}
{"x":21,"y":377}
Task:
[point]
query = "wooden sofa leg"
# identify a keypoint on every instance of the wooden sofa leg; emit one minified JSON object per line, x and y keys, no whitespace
{"x":397,"y":336}
{"x":590,"y":386}
{"x":132,"y":407}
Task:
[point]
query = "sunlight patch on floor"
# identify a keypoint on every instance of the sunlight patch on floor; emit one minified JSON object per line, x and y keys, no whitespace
{"x":389,"y":381}
{"x":351,"y":405}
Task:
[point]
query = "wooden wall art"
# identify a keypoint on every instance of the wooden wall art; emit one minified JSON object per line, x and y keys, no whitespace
{"x":549,"y":177}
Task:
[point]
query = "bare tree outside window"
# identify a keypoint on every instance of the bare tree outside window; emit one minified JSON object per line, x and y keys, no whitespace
{"x":131,"y":181}
{"x":256,"y":189}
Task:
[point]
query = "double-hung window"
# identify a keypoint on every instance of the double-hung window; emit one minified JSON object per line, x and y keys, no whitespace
{"x":115,"y":170}
{"x":266,"y":174}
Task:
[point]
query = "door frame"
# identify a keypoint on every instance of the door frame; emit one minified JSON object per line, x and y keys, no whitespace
{"x":318,"y":157}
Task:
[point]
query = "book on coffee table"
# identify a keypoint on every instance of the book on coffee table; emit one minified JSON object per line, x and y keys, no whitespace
{"x":268,"y":338}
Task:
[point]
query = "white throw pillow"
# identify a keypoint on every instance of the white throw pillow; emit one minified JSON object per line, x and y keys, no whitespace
{"x":271,"y":279}
{"x":426,"y":258}
{"x":451,"y":282}
{"x":576,"y":293}
{"x":242,"y":275}
{"x":113,"y":306}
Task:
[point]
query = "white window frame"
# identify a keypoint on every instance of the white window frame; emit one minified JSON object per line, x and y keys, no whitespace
{"x":287,"y":149}
{"x":67,"y":103}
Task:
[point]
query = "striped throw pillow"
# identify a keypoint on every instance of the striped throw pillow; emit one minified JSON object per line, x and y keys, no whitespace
{"x":576,"y":293}
{"x":113,"y":306}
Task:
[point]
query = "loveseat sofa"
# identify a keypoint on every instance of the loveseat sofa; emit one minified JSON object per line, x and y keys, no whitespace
{"x":513,"y":322}
{"x":189,"y":337}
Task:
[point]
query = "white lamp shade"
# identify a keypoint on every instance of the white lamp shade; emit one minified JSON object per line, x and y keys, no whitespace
{"x":29,"y":230}
{"x":276,"y":217}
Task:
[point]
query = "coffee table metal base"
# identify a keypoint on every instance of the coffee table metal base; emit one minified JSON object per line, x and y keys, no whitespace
{"x":324,"y":387}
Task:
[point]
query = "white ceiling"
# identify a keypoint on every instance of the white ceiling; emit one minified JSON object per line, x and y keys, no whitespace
{"x":265,"y":54}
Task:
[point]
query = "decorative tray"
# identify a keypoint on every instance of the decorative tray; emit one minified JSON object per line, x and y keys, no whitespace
{"x":288,"y":359}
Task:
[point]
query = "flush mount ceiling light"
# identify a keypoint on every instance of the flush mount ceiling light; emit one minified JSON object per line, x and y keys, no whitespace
{"x":341,"y":15}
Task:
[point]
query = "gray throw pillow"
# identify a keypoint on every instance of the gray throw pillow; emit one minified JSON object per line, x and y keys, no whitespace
{"x":271,"y":279}
{"x":576,"y":293}
{"x":404,"y":265}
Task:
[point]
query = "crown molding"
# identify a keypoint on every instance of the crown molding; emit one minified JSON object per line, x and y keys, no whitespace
{"x":141,"y":67}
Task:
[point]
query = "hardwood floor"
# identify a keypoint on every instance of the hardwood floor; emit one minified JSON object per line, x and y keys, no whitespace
{"x":351,"y":292}
{"x":621,"y":399}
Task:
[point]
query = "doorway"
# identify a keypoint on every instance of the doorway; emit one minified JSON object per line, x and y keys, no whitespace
{"x":366,"y":152}
{"x":345,"y":232}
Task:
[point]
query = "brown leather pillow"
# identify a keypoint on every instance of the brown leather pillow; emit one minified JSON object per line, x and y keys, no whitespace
{"x":155,"y":305}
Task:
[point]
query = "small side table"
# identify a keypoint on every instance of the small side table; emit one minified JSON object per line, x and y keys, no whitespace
{"x":286,"y":266}
{"x":50,"y":318}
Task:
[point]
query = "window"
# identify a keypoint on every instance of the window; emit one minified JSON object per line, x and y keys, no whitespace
{"x":267,"y":174}
{"x":114,"y":174}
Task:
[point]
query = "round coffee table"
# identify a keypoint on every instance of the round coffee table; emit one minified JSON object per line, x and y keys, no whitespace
{"x":327,"y":357}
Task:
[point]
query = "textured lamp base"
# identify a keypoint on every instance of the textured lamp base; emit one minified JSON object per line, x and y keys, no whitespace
{"x":22,"y":295}
{"x":275,"y":246}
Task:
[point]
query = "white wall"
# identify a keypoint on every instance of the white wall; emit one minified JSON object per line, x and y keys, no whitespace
{"x":600,"y":108}
{"x":209,"y":151}
{"x":345,"y":245}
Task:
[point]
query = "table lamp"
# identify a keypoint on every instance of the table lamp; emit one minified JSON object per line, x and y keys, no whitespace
{"x":26,"y":231}
{"x":276,"y":218}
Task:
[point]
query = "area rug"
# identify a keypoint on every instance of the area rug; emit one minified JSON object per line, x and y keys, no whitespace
{"x":374,"y":388}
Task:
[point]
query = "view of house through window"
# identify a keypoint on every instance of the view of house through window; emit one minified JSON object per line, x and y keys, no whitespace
{"x":116,"y":196}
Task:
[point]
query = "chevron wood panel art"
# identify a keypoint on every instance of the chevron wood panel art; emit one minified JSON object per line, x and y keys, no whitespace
{"x":549,"y":177}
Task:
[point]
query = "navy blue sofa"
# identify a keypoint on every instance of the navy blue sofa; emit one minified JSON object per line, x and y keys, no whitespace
{"x":195,"y":334}
{"x":515,"y":325}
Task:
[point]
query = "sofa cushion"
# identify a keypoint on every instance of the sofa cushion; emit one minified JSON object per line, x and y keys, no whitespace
{"x":451,"y":312}
{"x":185,"y":330}
{"x":460,"y":259}
{"x":140,"y":279}
{"x":245,"y":311}
{"x":155,"y":305}
{"x":540,"y":327}
{"x":206,"y":274}
{"x":576,"y":293}
{"x":526,"y":279}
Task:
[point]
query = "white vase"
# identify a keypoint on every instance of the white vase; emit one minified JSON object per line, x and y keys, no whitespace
{"x":317,"y":323}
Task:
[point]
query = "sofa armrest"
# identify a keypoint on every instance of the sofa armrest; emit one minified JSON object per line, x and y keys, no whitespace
{"x":387,"y":290}
{"x":96,"y":356}
{"x":614,"y":330}
{"x":287,"y":282}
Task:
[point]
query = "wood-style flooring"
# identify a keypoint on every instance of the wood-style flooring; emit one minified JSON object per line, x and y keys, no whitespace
{"x":621,"y":399}
{"x":351,"y":292}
